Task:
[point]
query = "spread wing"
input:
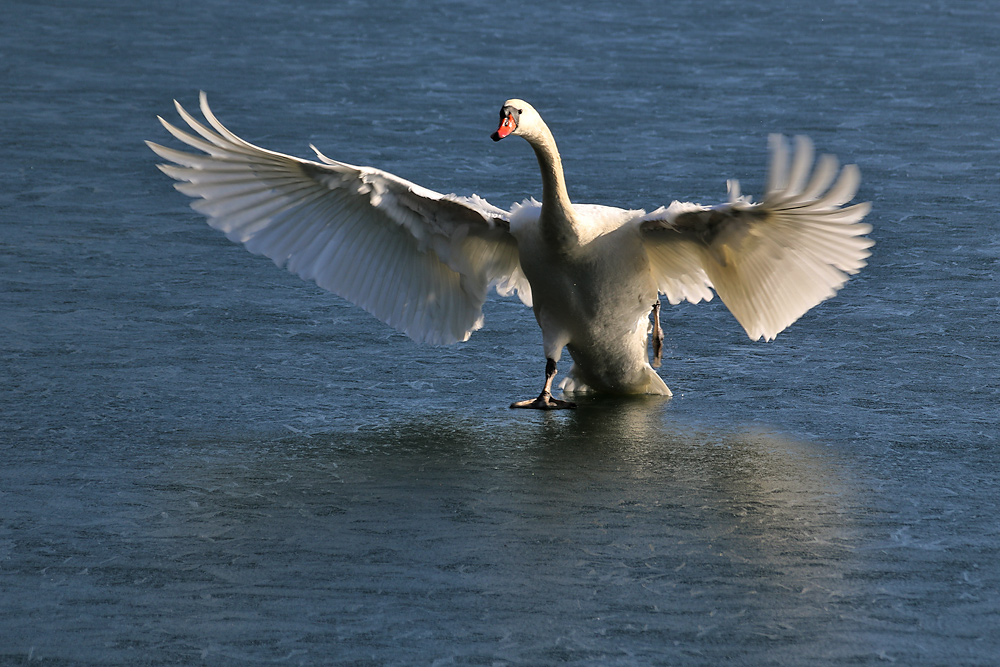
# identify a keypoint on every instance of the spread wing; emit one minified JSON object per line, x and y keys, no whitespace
{"x":420,"y":261}
{"x":772,"y":261}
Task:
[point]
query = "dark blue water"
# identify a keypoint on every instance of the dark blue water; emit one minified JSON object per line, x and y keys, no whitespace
{"x":205,"y":460}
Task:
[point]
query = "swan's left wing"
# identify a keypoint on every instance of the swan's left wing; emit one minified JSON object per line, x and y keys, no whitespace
{"x":769,"y":262}
{"x":418,"y":260}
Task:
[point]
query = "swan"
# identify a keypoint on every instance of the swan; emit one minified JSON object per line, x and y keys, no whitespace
{"x":423,"y":262}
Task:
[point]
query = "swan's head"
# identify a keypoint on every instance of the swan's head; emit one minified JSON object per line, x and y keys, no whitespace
{"x":517,"y":117}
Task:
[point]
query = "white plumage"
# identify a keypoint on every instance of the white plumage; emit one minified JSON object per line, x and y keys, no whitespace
{"x":424,"y":262}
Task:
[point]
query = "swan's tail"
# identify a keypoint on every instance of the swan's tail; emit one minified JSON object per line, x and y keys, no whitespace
{"x":572,"y":384}
{"x":651,"y":383}
{"x":656,"y":386}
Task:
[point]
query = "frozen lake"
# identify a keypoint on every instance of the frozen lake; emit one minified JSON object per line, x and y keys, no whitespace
{"x":207,"y":460}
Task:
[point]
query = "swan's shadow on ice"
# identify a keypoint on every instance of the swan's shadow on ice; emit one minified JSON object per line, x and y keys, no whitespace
{"x":615,"y":479}
{"x":631,"y":443}
{"x":620,"y":435}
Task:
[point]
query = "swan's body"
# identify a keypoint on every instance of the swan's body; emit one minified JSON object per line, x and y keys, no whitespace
{"x":423,"y":262}
{"x":592,"y":294}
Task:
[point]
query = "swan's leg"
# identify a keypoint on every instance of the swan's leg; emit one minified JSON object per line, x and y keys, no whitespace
{"x":545,"y":400}
{"x":657,"y":336}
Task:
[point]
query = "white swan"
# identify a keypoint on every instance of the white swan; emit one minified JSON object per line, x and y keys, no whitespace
{"x":423,"y":262}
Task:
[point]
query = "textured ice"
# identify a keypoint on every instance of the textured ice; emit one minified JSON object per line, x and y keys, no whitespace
{"x":205,"y":460}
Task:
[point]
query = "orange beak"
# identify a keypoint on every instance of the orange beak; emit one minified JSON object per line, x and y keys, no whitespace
{"x":507,"y":125}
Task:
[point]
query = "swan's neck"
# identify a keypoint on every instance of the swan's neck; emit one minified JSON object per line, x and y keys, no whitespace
{"x":558,"y":220}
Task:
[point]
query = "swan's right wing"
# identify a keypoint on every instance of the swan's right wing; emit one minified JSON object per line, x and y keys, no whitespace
{"x":418,"y":260}
{"x":770,"y":262}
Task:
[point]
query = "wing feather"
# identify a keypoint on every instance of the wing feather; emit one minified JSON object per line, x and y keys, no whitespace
{"x":418,"y":260}
{"x":769,"y":262}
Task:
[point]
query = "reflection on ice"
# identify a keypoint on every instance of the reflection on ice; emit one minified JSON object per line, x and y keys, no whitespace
{"x":693,"y":535}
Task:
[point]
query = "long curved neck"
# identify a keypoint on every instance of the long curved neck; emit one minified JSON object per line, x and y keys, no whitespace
{"x":557,"y":216}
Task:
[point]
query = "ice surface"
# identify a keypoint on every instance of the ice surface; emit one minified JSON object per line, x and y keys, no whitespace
{"x":206,"y":460}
